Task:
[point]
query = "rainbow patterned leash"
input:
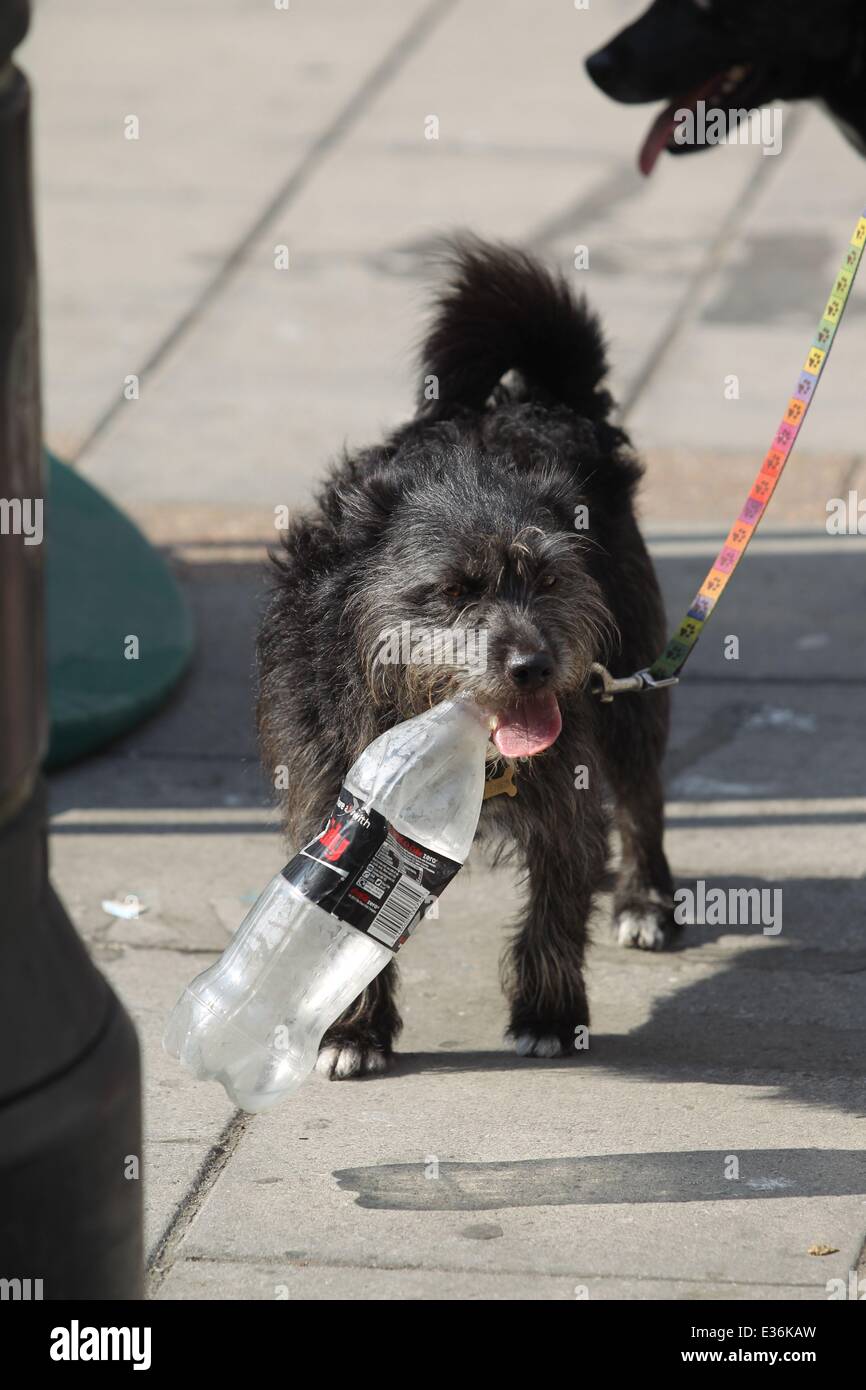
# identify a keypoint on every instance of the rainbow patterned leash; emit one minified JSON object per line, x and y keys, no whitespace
{"x":666,"y":668}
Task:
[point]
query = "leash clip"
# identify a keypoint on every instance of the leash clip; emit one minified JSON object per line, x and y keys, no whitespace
{"x":605,"y":686}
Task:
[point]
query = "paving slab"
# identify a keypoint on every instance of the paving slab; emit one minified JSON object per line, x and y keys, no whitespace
{"x":235,"y":104}
{"x":380,"y":1177}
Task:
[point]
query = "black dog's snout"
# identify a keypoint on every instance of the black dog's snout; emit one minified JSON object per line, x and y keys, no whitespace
{"x":602,"y":67}
{"x":530,"y":670}
{"x":612,"y":72}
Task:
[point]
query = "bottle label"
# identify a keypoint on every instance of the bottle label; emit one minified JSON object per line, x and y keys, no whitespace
{"x":362,"y":870}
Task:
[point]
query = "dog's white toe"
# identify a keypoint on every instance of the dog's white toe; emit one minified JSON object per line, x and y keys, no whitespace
{"x":528,"y":1045}
{"x":338,"y":1062}
{"x":641,"y":929}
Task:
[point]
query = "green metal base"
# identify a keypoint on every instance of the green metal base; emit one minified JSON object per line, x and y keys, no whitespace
{"x":106,"y":587}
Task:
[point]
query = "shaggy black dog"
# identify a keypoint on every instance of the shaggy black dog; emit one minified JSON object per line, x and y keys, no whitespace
{"x":504,"y":507}
{"x":736,"y":55}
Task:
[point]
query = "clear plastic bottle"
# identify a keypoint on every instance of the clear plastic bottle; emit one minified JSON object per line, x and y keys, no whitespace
{"x":332,"y":919}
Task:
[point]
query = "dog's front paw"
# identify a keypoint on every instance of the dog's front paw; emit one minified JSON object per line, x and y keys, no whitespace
{"x":650,"y":928}
{"x":340,"y":1060}
{"x":536,"y":1044}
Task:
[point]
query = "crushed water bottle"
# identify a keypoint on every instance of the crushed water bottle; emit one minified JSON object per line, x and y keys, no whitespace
{"x":401,"y":828}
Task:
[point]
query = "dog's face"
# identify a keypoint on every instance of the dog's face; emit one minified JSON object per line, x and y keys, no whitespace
{"x":736,"y":55}
{"x":477,"y":582}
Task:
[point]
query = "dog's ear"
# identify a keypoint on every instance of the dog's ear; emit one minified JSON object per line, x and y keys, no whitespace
{"x":366,"y":506}
{"x":361,"y":493}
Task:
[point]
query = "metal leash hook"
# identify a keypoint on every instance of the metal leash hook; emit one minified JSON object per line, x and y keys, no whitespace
{"x":605,"y":686}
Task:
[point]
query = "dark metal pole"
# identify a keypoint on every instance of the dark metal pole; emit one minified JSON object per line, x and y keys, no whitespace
{"x":70,"y":1106}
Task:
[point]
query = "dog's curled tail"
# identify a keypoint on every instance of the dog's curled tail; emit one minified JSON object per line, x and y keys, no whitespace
{"x":502,"y":311}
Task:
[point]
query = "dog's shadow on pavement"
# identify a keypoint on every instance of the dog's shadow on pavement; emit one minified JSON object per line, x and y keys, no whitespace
{"x":785,"y":1011}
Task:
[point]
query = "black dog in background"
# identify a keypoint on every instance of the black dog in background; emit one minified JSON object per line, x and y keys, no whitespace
{"x":736,"y":54}
{"x":470,"y":516}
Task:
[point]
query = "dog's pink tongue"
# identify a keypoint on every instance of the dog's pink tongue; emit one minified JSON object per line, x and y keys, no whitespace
{"x":658,"y":138}
{"x":529,"y":727}
{"x":661,"y":132}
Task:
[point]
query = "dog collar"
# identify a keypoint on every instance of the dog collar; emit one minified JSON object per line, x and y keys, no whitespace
{"x":495,"y":786}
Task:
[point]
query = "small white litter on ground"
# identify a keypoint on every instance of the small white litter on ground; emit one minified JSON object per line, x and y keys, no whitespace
{"x":128,"y":909}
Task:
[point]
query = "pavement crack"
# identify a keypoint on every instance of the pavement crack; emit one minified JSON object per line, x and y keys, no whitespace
{"x":215,"y":1161}
{"x":422,"y":1266}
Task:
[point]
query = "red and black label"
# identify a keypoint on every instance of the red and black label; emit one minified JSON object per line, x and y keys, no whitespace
{"x":362,"y":870}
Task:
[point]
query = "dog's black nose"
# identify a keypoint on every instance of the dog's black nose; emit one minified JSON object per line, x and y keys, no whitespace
{"x":612,"y":69}
{"x":603,"y":68}
{"x":530,"y":670}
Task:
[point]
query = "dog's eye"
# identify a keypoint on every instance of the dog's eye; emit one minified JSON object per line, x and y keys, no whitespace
{"x":547,"y":581}
{"x":454,"y":590}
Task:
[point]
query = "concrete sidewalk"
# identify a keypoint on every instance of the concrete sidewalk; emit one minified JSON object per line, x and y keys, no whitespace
{"x":605,"y":1176}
